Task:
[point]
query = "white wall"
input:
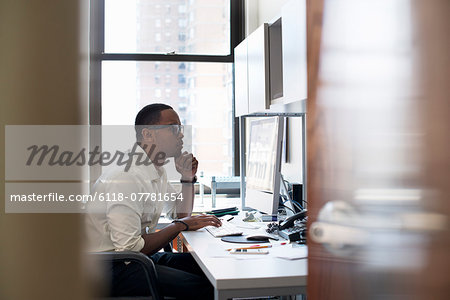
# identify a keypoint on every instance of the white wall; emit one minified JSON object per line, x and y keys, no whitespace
{"x":292,"y":170}
{"x":260,"y":11}
{"x":257,"y":13}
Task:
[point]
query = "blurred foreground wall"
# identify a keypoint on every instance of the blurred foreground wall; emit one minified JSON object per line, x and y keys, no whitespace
{"x":42,"y":70}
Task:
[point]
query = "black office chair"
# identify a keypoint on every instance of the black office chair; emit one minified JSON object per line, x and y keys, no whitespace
{"x":143,"y":260}
{"x":137,"y":257}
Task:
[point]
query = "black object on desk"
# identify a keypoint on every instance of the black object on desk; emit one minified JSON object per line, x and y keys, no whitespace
{"x":242,"y":240}
{"x":224,"y":211}
{"x":293,"y":234}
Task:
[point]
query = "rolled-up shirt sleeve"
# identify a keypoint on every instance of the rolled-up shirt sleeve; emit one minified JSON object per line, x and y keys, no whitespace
{"x":124,"y":218}
{"x":170,"y":208}
{"x":125,"y":228}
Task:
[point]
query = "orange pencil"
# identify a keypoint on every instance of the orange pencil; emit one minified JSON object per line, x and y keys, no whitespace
{"x":255,"y":247}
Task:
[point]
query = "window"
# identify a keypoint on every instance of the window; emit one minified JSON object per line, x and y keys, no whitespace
{"x":135,"y":70}
{"x":167,"y":36}
{"x":182,"y":93}
{"x":182,"y":23}
{"x":182,"y":9}
{"x":168,"y":80}
{"x":181,"y":78}
{"x":130,"y":22}
{"x":182,"y":36}
{"x":168,"y":93}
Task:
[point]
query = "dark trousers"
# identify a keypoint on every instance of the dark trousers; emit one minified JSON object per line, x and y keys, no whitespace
{"x":179,"y":276}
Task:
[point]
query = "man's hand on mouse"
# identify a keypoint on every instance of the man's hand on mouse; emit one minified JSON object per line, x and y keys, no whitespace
{"x":186,"y":164}
{"x":200,"y":221}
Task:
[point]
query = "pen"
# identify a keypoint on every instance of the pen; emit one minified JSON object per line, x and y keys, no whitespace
{"x":254,"y":247}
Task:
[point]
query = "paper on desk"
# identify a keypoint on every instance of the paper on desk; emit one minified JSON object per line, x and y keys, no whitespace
{"x":246,"y":225}
{"x":282,"y":251}
{"x":290,"y":253}
{"x":215,"y":251}
{"x":241,"y":256}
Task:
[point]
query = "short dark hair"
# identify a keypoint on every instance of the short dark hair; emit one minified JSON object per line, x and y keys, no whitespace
{"x":148,"y":115}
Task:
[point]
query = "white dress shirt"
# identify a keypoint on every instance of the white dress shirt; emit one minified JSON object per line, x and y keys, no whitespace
{"x":119,"y":225}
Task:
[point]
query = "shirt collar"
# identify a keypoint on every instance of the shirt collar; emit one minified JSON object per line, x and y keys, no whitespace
{"x":150,"y":169}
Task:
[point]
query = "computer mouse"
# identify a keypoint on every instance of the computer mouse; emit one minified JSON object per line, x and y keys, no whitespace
{"x":260,"y":237}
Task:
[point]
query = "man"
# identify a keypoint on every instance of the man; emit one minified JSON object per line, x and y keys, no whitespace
{"x":130,"y":224}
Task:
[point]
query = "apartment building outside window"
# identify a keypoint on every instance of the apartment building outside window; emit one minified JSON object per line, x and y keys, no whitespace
{"x":197,"y":68}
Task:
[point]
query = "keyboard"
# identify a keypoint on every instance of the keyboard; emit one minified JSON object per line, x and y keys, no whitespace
{"x":226,"y":229}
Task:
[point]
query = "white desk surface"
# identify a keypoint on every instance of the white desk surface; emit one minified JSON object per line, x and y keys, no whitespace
{"x":243,"y":275}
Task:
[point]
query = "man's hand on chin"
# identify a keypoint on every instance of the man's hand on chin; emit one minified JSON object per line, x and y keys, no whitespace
{"x":186,"y":164}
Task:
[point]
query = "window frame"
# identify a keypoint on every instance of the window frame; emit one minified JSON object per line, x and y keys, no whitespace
{"x":98,"y":55}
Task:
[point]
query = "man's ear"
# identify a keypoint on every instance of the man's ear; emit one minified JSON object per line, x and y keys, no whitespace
{"x":147,"y":135}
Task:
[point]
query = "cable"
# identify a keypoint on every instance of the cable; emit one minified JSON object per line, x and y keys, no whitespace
{"x":289,"y":195}
{"x":284,"y":206}
{"x":295,"y":203}
{"x":289,"y":208}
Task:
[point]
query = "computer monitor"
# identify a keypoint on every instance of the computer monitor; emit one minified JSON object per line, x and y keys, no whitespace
{"x":262,"y":187}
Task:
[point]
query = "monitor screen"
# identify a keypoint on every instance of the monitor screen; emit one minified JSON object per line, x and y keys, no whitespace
{"x":263,"y":164}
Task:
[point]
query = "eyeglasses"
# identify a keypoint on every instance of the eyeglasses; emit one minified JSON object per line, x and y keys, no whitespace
{"x":176,"y":129}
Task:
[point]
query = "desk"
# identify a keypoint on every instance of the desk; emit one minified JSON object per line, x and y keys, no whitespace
{"x":240,"y":277}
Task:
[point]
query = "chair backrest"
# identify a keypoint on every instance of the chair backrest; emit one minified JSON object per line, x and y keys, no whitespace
{"x":137,"y":257}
